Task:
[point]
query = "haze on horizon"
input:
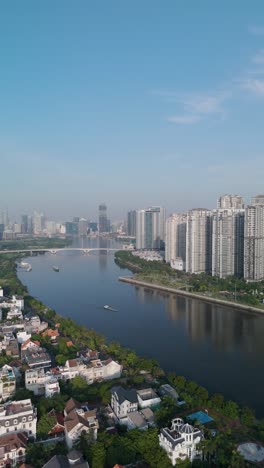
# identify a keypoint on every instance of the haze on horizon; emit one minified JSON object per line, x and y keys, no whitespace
{"x":129,"y":103}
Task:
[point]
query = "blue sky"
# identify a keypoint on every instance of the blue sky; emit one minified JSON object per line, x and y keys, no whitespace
{"x":132,"y":103}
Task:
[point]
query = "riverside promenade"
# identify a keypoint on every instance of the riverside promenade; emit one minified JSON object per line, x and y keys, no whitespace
{"x":180,"y":292}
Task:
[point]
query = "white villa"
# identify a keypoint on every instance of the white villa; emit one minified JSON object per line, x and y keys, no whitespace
{"x":79,"y":419}
{"x":41,"y":383}
{"x":181,"y":441}
{"x":93,"y":371}
{"x":147,"y":397}
{"x":123,"y":401}
{"x":18,"y":416}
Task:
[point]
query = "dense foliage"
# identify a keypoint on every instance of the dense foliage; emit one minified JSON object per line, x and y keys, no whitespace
{"x":160,"y":273}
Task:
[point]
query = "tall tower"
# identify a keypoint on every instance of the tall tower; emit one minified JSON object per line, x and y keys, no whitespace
{"x":150,"y":228}
{"x":103,"y":223}
{"x":131,"y":223}
{"x":230,"y":201}
{"x":254,"y":240}
{"x":228,"y":242}
{"x":175,"y":238}
{"x":198,"y":241}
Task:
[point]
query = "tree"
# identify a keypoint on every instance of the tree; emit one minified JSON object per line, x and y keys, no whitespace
{"x":44,"y":425}
{"x":217,"y":401}
{"x":247,"y":416}
{"x":166,"y":412}
{"x":231,"y":409}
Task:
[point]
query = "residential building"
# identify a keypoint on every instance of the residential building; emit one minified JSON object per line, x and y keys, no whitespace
{"x":82,"y":227}
{"x":168,"y":390}
{"x":41,"y":383}
{"x":103,"y":224}
{"x":228,"y":242}
{"x":139,"y":419}
{"x":37,"y":357}
{"x":12,"y":450}
{"x":78,"y":419}
{"x":175,"y":240}
{"x":123,"y":401}
{"x":18,"y":416}
{"x":198,"y":241}
{"x":181,"y":442}
{"x":150,"y":228}
{"x":131,"y":223}
{"x":7,"y":382}
{"x":73,"y":458}
{"x":147,"y":398}
{"x":230,"y":202}
{"x":254,"y":240}
{"x":257,"y":200}
{"x":38,"y":223}
{"x":57,"y":431}
{"x":91,"y":370}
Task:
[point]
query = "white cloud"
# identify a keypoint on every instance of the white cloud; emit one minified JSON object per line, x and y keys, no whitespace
{"x":259,"y":57}
{"x":185,"y":119}
{"x":253,"y":85}
{"x":256,"y":30}
{"x":194,"y":106}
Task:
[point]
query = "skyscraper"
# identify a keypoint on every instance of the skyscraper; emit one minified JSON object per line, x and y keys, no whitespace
{"x":198,"y":241}
{"x":228,"y":242}
{"x":38,"y":222}
{"x":131,"y":223}
{"x":82,"y":227}
{"x":150,"y":228}
{"x":254,"y":240}
{"x":24,"y":224}
{"x":175,"y":238}
{"x":230,"y":201}
{"x":103,"y":223}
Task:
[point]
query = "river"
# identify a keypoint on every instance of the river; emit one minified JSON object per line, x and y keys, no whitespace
{"x":221,"y":348}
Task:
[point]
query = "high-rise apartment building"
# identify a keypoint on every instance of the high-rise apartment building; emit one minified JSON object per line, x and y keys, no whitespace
{"x":24,"y":224}
{"x":175,"y":238}
{"x":82,"y":227}
{"x":38,"y":222}
{"x":103,"y":221}
{"x":228,"y":242}
{"x":257,"y":200}
{"x":254,"y":240}
{"x":131,"y":223}
{"x":150,"y":228}
{"x":198,"y":241}
{"x":230,"y":201}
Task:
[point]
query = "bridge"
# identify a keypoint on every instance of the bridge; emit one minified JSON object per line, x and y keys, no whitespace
{"x":61,"y":249}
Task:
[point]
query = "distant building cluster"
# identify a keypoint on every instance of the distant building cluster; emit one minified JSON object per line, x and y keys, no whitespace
{"x":227,"y":241}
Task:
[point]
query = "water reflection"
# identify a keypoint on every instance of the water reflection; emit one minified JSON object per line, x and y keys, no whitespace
{"x":225,"y":328}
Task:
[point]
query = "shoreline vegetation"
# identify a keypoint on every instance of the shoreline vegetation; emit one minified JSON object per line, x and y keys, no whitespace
{"x":231,"y":292}
{"x":231,"y":425}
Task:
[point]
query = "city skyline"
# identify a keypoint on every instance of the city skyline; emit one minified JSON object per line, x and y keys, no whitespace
{"x":134,"y":104}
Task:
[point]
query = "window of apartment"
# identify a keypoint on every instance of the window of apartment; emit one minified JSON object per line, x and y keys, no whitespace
{"x":30,"y":424}
{"x":24,"y":419}
{"x":30,"y":418}
{"x":15,"y":421}
{"x":7,"y":423}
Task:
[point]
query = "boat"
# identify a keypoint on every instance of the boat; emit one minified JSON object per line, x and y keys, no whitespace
{"x":56,"y":268}
{"x":108,"y":307}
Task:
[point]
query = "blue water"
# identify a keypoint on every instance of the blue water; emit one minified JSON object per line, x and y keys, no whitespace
{"x":220,"y":348}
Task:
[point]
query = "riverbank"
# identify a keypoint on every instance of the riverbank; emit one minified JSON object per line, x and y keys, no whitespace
{"x":180,"y":292}
{"x":231,"y":291}
{"x":239,"y":422}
